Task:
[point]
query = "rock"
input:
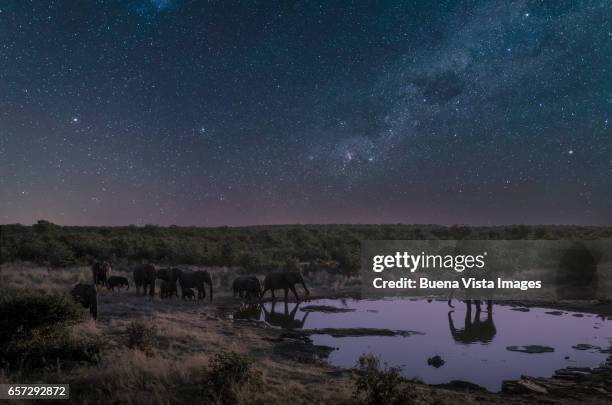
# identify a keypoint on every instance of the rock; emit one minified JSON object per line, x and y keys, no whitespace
{"x":302,"y":350}
{"x":531,"y":386}
{"x":356,"y":332}
{"x":585,"y":346}
{"x":326,"y":309}
{"x":578,"y":315}
{"x":458,"y":385}
{"x":556,"y":313}
{"x":338,"y":373}
{"x":435,"y":361}
{"x":531,"y":349}
{"x":520,"y":309}
{"x":569,"y":382}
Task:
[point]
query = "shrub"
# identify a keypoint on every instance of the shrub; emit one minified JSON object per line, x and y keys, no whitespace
{"x":22,"y":311}
{"x":379,"y":387}
{"x":141,"y":336}
{"x":229,"y":372}
{"x":51,"y":346}
{"x":34,"y":330}
{"x":59,"y":255}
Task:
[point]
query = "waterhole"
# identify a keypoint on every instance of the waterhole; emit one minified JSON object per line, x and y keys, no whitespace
{"x":483,"y":348}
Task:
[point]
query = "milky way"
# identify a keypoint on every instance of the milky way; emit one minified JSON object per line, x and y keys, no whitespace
{"x":227,"y":113}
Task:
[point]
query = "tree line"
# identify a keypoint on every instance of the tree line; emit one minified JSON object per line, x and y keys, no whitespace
{"x":255,"y":248}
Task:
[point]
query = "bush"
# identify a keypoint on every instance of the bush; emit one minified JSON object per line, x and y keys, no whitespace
{"x":230,"y":371}
{"x":142,"y":337}
{"x":50,"y":346}
{"x":380,"y":387}
{"x":34,"y":330}
{"x":23,"y":311}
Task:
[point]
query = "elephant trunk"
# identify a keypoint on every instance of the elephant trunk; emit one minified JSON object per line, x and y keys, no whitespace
{"x":210,"y":289}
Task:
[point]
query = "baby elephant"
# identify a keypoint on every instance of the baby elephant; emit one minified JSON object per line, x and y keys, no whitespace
{"x":117,"y":281}
{"x":188,"y":294}
{"x":247,"y":285}
{"x":167,"y":289}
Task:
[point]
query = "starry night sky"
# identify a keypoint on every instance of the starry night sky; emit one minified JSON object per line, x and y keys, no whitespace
{"x":185,"y":112}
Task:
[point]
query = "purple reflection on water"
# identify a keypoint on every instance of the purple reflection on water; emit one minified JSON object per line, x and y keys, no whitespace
{"x":484,"y":361}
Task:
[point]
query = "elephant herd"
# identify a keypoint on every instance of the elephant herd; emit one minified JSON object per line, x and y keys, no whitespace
{"x":192,"y":283}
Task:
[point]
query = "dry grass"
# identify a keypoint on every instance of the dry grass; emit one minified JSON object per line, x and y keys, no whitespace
{"x":188,"y":335}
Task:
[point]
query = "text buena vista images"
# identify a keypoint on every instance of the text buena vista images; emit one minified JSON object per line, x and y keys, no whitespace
{"x":458,"y":263}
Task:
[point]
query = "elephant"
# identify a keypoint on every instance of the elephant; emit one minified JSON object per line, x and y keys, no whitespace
{"x":474,"y":330}
{"x":249,"y":285}
{"x":100,"y":272}
{"x":196,"y":279}
{"x":86,"y":295}
{"x":285,"y":280}
{"x":188,"y":294}
{"x":144,"y":276}
{"x":117,"y":281}
{"x":285,"y":320}
{"x":169,"y":274}
{"x":167,"y":289}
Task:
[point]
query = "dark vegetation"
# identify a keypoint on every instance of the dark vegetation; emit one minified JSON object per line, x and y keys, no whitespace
{"x":34,"y":331}
{"x":375,"y":385}
{"x":258,"y":248}
{"x":230,"y":372}
{"x":142,"y":336}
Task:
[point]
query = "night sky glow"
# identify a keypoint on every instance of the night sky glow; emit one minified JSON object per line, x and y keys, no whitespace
{"x":186,"y":112}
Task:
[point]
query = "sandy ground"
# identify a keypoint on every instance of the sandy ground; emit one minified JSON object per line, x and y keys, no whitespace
{"x":189,"y":333}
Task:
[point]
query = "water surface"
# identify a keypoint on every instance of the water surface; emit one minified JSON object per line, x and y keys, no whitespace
{"x":473,"y":350}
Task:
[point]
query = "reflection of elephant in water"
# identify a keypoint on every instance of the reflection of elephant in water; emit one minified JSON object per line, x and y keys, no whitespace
{"x":144,"y":276}
{"x":474,"y":330}
{"x":285,"y":280}
{"x":577,"y":277}
{"x":286,"y":320}
{"x":86,"y":295}
{"x":469,"y":303}
{"x":100,"y":272}
{"x":196,"y":279}
{"x":249,"y":285}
